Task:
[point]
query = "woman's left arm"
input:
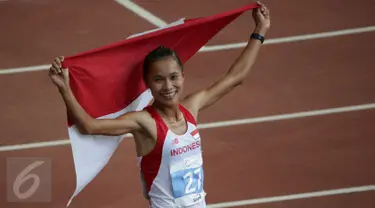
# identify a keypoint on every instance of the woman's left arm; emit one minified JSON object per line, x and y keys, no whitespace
{"x":238,"y":71}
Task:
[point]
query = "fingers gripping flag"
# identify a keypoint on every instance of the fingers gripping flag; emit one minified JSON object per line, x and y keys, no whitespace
{"x":107,"y":82}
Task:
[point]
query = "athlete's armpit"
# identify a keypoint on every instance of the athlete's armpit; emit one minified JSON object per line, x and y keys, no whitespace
{"x":202,"y":99}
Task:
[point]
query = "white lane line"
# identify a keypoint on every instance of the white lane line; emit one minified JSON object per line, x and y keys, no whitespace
{"x":142,"y":13}
{"x":24,"y":69}
{"x":294,"y":196}
{"x":214,"y":48}
{"x":35,"y":145}
{"x":293,"y":38}
{"x":287,"y":116}
{"x":215,"y":124}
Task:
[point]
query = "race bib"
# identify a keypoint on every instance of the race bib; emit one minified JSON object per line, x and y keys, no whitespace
{"x":187,"y":181}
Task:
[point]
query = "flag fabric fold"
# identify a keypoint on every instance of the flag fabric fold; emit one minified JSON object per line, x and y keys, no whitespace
{"x":107,"y":82}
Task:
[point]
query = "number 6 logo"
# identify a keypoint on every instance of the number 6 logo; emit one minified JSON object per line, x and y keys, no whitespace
{"x":23,"y":177}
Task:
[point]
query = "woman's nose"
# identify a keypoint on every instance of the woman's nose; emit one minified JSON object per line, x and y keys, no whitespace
{"x":168,"y":85}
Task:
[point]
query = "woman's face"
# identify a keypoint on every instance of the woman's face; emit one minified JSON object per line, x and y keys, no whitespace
{"x":165,"y":80}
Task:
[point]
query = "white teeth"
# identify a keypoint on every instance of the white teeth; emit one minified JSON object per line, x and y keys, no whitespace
{"x":168,"y":95}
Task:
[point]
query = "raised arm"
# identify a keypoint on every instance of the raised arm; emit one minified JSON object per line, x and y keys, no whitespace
{"x":239,"y":69}
{"x":126,"y":123}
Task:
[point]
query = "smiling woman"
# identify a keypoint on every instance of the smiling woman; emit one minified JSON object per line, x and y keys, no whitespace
{"x":167,"y":139}
{"x":163,"y":74}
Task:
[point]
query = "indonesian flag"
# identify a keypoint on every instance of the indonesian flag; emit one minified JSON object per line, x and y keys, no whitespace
{"x":107,"y":82}
{"x":195,"y":134}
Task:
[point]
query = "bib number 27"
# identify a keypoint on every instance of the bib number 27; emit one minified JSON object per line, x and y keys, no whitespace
{"x":194,"y":175}
{"x":187,"y":181}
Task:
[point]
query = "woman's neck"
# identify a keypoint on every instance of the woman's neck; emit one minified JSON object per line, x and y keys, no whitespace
{"x":171,"y":113}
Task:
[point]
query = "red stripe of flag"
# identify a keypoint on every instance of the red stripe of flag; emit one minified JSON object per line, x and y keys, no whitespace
{"x":193,"y":133}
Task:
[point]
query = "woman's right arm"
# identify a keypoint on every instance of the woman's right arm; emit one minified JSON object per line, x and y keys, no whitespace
{"x":126,"y":123}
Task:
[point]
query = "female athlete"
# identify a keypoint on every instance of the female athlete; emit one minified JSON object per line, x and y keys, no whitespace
{"x":167,"y":140}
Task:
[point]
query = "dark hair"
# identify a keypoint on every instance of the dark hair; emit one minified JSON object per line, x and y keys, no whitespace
{"x":159,"y":53}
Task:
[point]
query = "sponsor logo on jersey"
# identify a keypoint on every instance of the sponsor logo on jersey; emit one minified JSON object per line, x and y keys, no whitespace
{"x":175,"y":141}
{"x":197,"y":198}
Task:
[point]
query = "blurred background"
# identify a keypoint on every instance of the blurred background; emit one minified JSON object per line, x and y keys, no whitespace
{"x":307,"y":109}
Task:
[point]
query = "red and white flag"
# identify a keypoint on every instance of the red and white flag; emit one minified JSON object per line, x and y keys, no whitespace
{"x":195,"y":134}
{"x":107,"y":82}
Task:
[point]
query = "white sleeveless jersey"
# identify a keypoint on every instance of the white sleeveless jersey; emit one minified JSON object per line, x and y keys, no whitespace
{"x":172,"y":173}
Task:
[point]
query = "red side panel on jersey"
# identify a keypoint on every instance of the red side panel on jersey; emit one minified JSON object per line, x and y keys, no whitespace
{"x":150,"y":163}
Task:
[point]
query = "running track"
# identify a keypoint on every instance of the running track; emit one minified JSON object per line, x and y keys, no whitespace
{"x":251,"y":161}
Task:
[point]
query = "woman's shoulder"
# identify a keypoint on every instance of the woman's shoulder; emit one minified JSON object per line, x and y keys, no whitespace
{"x":140,"y":116}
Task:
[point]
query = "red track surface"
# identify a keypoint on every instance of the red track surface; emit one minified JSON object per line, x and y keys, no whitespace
{"x":242,"y":162}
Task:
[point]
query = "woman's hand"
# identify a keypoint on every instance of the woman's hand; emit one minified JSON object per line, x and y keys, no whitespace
{"x":262,"y":19}
{"x":59,"y":76}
